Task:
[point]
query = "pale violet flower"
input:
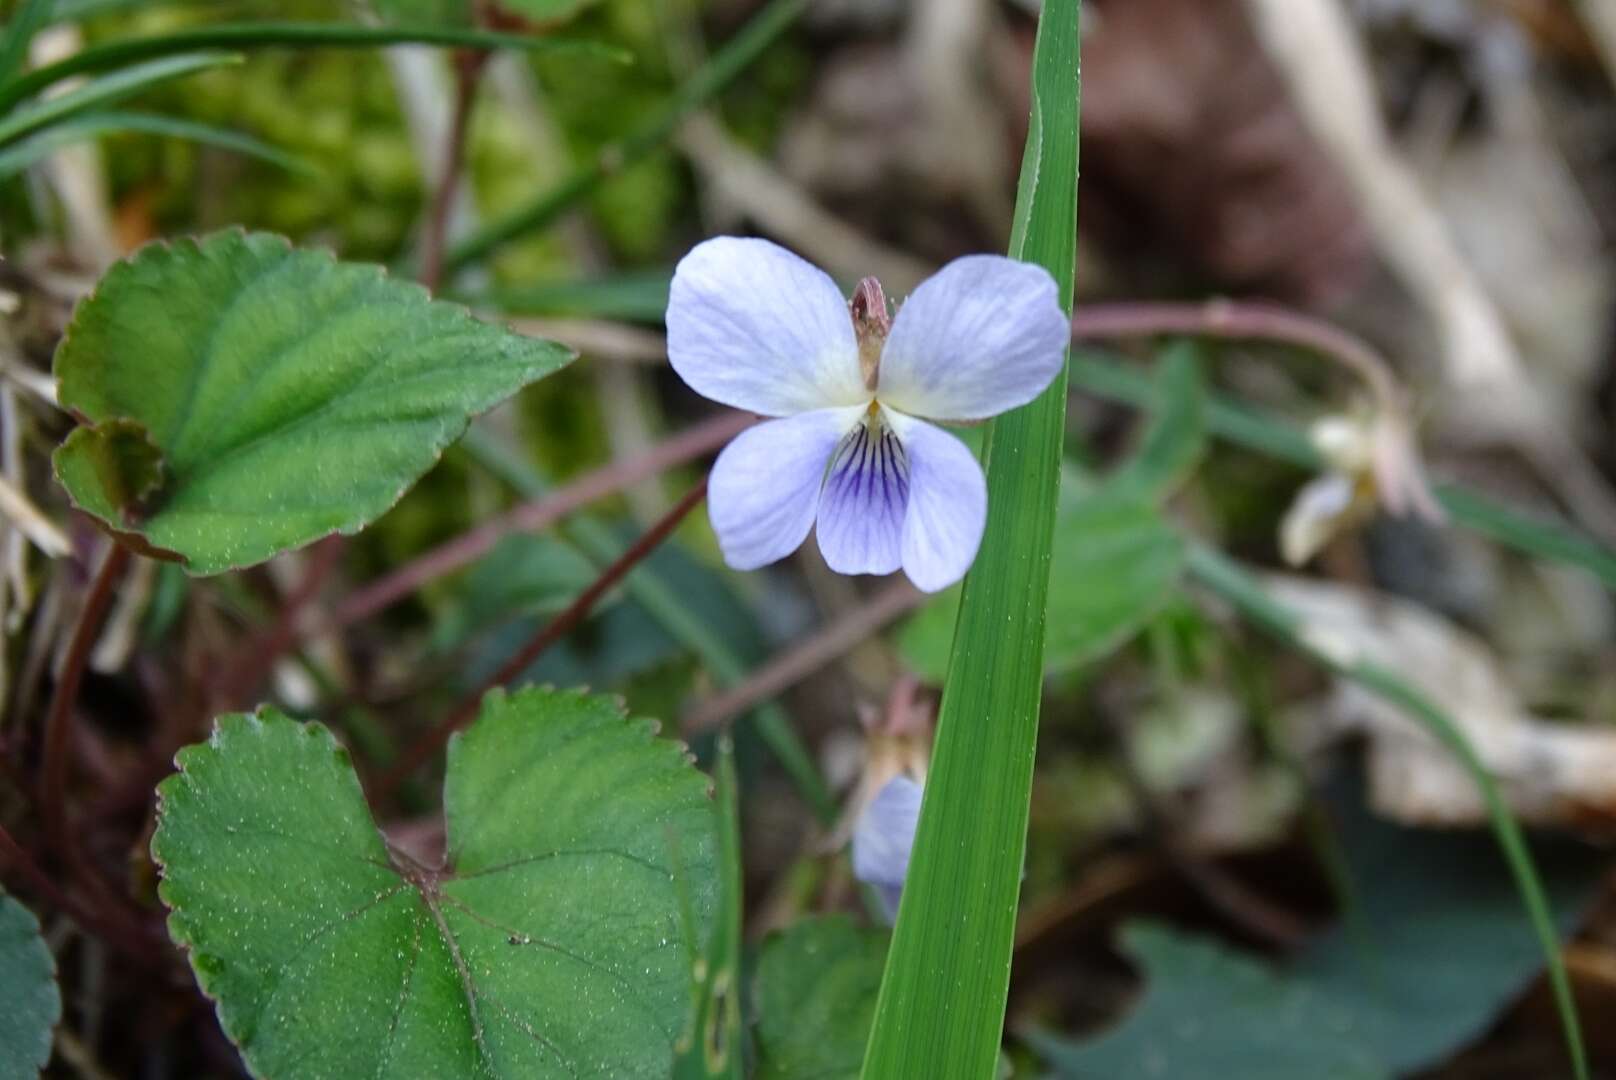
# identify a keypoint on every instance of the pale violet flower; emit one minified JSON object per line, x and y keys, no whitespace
{"x":755,"y":327}
{"x":884,"y":837}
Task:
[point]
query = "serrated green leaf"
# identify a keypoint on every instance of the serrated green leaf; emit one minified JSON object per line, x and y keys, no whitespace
{"x":30,"y":1004}
{"x":1436,"y":948}
{"x":548,"y":944}
{"x":291,"y":395}
{"x":814,"y":996}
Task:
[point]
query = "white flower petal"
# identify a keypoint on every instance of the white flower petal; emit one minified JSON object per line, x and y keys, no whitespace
{"x":764,"y":489}
{"x":753,"y":326}
{"x":884,"y":838}
{"x":948,"y":504}
{"x":982,"y":335}
{"x":861,"y":511}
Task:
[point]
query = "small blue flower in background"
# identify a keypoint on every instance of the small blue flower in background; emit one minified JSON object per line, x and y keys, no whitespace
{"x":753,"y":326}
{"x":883,"y":838}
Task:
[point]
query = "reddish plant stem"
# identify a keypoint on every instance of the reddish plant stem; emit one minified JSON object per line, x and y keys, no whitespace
{"x":468,"y":69}
{"x":59,"y":720}
{"x":433,"y":741}
{"x":1233,"y":320}
{"x":252,"y":665}
{"x":532,"y":517}
{"x":130,"y":937}
{"x":1399,"y":474}
{"x":792,"y":665}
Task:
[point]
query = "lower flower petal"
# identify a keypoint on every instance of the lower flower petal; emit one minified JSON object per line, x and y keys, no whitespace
{"x":884,"y":838}
{"x":862,"y":507}
{"x":948,"y":504}
{"x":764,"y":488}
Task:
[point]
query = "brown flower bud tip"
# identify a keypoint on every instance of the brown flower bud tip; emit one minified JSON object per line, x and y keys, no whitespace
{"x":871,"y":321}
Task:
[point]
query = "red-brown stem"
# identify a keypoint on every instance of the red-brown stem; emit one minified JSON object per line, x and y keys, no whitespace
{"x":533,"y":516}
{"x":18,"y":856}
{"x":1399,"y":473}
{"x":553,"y":631}
{"x":801,"y":660}
{"x":253,"y":663}
{"x":1233,"y":320}
{"x":59,"y":721}
{"x":468,"y":69}
{"x":131,"y":938}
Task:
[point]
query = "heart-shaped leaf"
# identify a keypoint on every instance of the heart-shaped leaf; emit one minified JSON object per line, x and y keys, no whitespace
{"x":30,"y":1004}
{"x":242,"y":397}
{"x":815,"y":996}
{"x":1435,"y":949}
{"x":553,"y":941}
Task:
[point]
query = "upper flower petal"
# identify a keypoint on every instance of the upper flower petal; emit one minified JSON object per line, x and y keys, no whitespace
{"x":948,"y":504}
{"x":982,"y":335}
{"x":861,"y":511}
{"x":764,"y":488}
{"x":753,"y":326}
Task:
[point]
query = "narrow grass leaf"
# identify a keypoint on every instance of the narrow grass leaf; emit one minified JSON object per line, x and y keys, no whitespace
{"x":711,"y":1047}
{"x":106,"y":90}
{"x":26,"y":19}
{"x":942,"y":1001}
{"x":286,"y":35}
{"x":30,"y":151}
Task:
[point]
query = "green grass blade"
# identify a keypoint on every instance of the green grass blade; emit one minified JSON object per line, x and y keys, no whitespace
{"x":712,"y":1047}
{"x":941,"y":1008}
{"x":106,"y":90}
{"x":42,"y":144}
{"x":287,"y":35}
{"x":720,"y":70}
{"x":1225,"y":578}
{"x":1238,"y":423}
{"x":19,"y":34}
{"x":1526,"y":533}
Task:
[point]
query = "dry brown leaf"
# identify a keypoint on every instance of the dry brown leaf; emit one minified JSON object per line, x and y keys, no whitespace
{"x":1551,"y":773}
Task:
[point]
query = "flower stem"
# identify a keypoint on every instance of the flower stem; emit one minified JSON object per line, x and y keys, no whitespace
{"x":59,"y":720}
{"x":552,"y":632}
{"x":532,"y":516}
{"x":803,"y":659}
{"x":468,"y":69}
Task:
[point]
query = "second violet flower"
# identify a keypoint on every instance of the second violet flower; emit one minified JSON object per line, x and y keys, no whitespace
{"x":755,"y":327}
